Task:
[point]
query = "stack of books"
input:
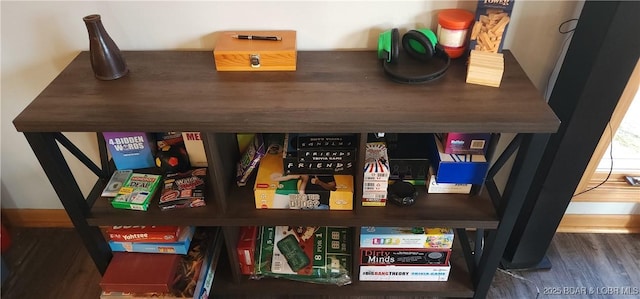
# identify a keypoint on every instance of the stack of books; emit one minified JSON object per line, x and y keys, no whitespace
{"x":160,"y":262}
{"x":405,"y":253}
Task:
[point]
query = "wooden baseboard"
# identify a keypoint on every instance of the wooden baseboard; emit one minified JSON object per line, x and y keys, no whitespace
{"x":571,"y":223}
{"x":583,"y":223}
{"x":35,"y":218}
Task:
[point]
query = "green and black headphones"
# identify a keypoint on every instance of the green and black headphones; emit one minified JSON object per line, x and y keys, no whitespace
{"x":421,"y":45}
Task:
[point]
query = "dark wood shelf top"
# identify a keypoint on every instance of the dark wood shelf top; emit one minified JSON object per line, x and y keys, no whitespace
{"x":331,"y":91}
{"x":449,"y":210}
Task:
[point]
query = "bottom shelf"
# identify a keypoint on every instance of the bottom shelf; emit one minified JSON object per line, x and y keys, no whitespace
{"x":458,"y":285}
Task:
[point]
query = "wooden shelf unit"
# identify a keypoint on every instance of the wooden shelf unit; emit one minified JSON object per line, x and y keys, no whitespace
{"x":332,"y":91}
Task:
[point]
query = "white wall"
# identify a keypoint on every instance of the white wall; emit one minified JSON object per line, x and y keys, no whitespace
{"x":40,"y":38}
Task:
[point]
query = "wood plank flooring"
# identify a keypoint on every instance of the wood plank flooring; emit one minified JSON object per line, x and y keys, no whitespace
{"x":52,"y":263}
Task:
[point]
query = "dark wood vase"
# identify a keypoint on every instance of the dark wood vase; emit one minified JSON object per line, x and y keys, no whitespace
{"x":106,"y":59}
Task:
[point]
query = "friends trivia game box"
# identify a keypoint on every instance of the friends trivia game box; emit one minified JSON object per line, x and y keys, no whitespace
{"x":275,"y":190}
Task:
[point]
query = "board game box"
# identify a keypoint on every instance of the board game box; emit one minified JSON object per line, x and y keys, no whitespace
{"x":404,"y":273}
{"x":456,"y":169}
{"x":184,"y":190}
{"x":152,"y":233}
{"x":312,"y":254}
{"x":246,"y":248}
{"x":405,"y":256}
{"x":275,"y":190}
{"x":137,"y":192}
{"x":179,"y":247}
{"x":140,"y":272}
{"x":406,"y":237}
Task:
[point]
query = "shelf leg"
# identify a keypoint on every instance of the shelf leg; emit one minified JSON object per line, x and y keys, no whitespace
{"x":524,"y":168}
{"x":54,"y":164}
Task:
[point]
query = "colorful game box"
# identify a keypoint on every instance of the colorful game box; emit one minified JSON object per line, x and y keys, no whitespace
{"x":137,"y":192}
{"x":490,"y":28}
{"x":405,"y":256}
{"x":131,"y":150}
{"x":305,"y":253}
{"x":136,"y":233}
{"x":435,"y":187}
{"x":275,"y":190}
{"x":184,"y":190}
{"x":179,"y":247}
{"x":406,"y":237}
{"x":465,"y":143}
{"x":456,"y":169}
{"x":250,"y":159}
{"x":376,"y":175}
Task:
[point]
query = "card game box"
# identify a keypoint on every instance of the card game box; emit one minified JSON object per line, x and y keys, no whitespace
{"x":406,"y":237}
{"x":117,"y":180}
{"x":184,"y":190}
{"x":131,"y":150}
{"x":137,"y":192}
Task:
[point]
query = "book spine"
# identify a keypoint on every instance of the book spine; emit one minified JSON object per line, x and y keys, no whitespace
{"x":203,"y":290}
{"x":250,"y":160}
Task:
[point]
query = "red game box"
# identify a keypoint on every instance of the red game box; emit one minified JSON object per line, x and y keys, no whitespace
{"x":246,"y":248}
{"x":144,"y":233}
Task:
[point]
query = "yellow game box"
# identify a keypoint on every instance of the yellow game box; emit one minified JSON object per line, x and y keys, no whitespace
{"x":274,"y":190}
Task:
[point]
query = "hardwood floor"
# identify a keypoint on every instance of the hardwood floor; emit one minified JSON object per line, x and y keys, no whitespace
{"x":52,"y":263}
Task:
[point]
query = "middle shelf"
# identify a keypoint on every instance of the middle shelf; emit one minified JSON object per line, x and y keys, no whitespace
{"x":451,"y":210}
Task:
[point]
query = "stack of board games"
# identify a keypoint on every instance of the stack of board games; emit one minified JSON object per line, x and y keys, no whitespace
{"x":376,"y":175}
{"x":405,"y":253}
{"x":278,"y":186}
{"x":184,"y":190}
{"x":190,"y":277}
{"x":304,"y":253}
{"x":137,"y":191}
